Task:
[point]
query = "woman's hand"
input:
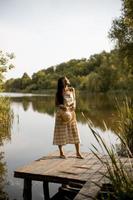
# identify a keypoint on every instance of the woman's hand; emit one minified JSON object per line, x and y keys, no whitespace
{"x":63,"y":107}
{"x":71,"y":108}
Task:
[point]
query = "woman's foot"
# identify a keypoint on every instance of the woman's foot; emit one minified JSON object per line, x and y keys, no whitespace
{"x":61,"y":151}
{"x":62,"y":156}
{"x":79,"y":156}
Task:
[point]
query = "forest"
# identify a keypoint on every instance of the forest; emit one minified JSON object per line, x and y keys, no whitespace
{"x":103,"y":72}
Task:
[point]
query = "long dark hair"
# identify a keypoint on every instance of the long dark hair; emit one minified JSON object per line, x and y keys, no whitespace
{"x":60,"y":90}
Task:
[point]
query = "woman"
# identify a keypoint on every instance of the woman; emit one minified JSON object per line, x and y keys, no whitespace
{"x":66,"y":131}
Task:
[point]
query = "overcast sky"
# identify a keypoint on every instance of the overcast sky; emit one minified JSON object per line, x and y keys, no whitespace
{"x":43,"y":33}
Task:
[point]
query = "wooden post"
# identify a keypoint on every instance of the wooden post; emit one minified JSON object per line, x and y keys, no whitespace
{"x":46,"y":190}
{"x":27,"y":192}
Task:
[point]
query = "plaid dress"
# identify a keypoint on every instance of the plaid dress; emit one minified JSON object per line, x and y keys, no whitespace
{"x":66,"y":133}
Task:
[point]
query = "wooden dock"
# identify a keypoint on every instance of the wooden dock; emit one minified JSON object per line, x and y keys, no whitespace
{"x":70,"y":171}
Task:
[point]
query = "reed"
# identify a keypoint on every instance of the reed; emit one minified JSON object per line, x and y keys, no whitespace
{"x":119,"y":175}
{"x":125,"y":125}
{"x":6,"y":118}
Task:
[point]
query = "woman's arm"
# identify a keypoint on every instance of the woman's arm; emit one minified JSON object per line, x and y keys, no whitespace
{"x":73,"y":105}
{"x":74,"y":96}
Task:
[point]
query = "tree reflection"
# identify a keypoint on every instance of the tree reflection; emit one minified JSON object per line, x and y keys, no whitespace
{"x":98,"y":108}
{"x":26,"y":104}
{"x":41,"y":104}
{"x":44,"y":104}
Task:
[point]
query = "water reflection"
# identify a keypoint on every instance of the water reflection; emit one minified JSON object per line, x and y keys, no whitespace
{"x":3,"y":172}
{"x":98,"y":108}
{"x":41,"y":104}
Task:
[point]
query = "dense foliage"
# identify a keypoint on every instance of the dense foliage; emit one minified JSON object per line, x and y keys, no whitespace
{"x":122,"y":33}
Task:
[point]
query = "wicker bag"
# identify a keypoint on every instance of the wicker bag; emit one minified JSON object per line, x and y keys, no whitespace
{"x":66,"y":116}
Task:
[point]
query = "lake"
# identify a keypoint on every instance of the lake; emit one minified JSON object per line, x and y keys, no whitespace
{"x":31,"y":134}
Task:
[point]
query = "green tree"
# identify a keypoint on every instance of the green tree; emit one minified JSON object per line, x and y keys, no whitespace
{"x":122,"y":33}
{"x":93,"y":82}
{"x":107,"y":75}
{"x":5,"y":65}
{"x":25,"y":81}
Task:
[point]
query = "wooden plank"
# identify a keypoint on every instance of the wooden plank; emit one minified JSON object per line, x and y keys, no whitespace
{"x":50,"y":166}
{"x":90,"y":189}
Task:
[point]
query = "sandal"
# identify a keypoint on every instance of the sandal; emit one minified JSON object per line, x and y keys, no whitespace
{"x":62,"y":156}
{"x":80,"y":157}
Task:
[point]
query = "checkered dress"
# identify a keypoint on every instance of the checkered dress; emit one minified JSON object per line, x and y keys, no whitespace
{"x":66,"y":133}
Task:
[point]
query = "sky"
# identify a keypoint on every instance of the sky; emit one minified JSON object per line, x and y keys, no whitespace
{"x":44,"y":33}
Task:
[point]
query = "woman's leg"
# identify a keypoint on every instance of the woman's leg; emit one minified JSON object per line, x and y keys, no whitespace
{"x":78,"y":154}
{"x":61,"y":151}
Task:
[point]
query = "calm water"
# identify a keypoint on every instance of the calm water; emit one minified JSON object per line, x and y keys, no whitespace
{"x":32,"y":133}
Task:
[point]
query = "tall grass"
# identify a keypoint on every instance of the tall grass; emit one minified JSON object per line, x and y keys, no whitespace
{"x":119,"y":174}
{"x":6,"y":117}
{"x":125,"y":124}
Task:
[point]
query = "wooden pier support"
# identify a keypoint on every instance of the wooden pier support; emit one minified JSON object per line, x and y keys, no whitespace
{"x":27,"y":192}
{"x":46,"y":190}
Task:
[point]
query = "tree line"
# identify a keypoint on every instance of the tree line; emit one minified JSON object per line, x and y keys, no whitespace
{"x":100,"y":73}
